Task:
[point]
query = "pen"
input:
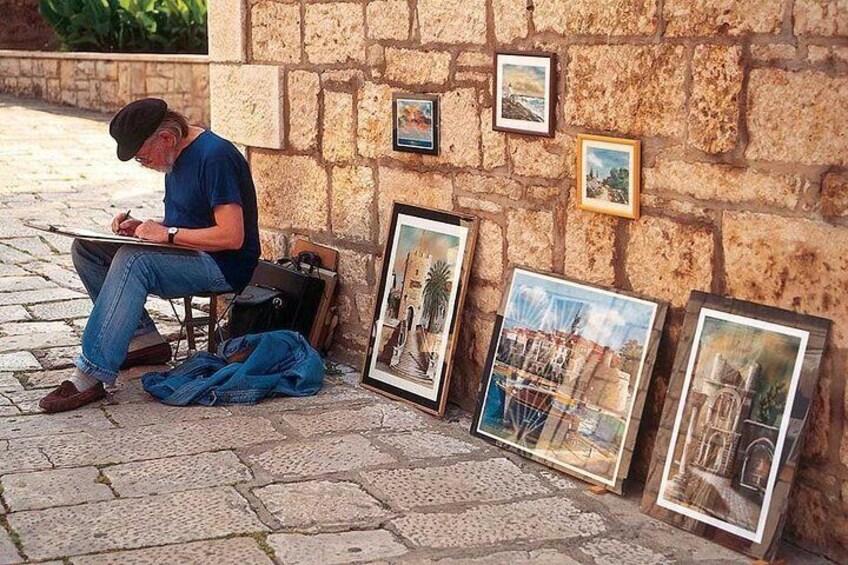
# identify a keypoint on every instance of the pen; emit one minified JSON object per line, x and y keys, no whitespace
{"x":127,"y":216}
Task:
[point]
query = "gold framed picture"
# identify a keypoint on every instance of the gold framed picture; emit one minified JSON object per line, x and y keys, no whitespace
{"x":608,"y":174}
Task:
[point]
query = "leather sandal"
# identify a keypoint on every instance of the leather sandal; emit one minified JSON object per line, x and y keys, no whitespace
{"x":66,"y":397}
{"x":158,"y":354}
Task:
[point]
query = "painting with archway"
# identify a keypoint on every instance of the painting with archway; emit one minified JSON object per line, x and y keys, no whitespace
{"x":421,"y":291}
{"x":736,"y":404}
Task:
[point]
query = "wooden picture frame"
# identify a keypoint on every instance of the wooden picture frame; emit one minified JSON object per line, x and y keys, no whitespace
{"x":524,"y":97}
{"x":600,"y":163}
{"x":415,"y":123}
{"x":732,"y":428}
{"x":567,"y":374}
{"x":420,"y":297}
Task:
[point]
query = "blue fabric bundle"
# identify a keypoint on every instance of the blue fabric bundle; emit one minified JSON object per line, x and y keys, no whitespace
{"x":244,"y":371}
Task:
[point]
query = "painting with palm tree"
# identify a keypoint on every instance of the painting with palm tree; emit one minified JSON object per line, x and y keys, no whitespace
{"x":425,"y":268}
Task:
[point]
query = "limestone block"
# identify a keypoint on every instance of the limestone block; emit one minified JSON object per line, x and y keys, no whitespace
{"x":246,"y":103}
{"x":284,"y":179}
{"x":273,"y":244}
{"x":231,"y":550}
{"x":588,"y":17}
{"x":486,"y":184}
{"x":542,"y":157}
{"x":468,"y":481}
{"x":483,"y":296}
{"x":412,"y":66}
{"x":614,"y":550}
{"x":448,"y":21}
{"x":636,"y":90}
{"x":790,"y":263}
{"x":474,"y":59}
{"x":772,"y":51}
{"x":493,"y":142}
{"x":714,"y":103}
{"x":818,"y":106}
{"x":423,"y":444}
{"x":355,"y":269}
{"x":54,"y":487}
{"x":511,"y":19}
{"x":542,"y":519}
{"x":384,"y":417}
{"x":589,"y":245}
{"x":374,"y":127}
{"x":303,"y":90}
{"x":275,"y":32}
{"x":430,"y":190}
{"x":722,"y":17}
{"x":821,"y":17}
{"x":387,"y":19}
{"x":226,"y":30}
{"x":353,"y":202}
{"x":819,"y":54}
{"x":319,"y":503}
{"x":666,"y":259}
{"x":530,"y":238}
{"x":321,"y":456}
{"x":335,"y":549}
{"x":713,"y":181}
{"x":334,"y":33}
{"x":460,"y":143}
{"x":339,"y":132}
{"x":488,"y":255}
{"x":834,"y":195}
{"x":471,"y":76}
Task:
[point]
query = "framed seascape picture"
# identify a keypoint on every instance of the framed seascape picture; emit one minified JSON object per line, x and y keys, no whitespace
{"x":525,"y":93}
{"x":426,"y":265}
{"x":415,"y":119}
{"x":733,"y":423}
{"x":608,"y":173}
{"x":567,"y":373}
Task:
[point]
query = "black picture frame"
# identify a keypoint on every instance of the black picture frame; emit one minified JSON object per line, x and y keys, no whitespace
{"x":406,"y":144}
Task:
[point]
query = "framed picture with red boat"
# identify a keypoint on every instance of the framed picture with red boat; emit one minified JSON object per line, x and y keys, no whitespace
{"x":731,"y":432}
{"x":567,"y":373}
{"x":426,"y":265}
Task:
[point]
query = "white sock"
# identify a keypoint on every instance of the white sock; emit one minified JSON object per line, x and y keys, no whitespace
{"x":83,"y":381}
{"x":146,"y":340}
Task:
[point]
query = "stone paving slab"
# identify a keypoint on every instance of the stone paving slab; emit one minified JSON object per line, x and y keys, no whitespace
{"x":471,"y":481}
{"x":151,"y":442}
{"x":38,"y":340}
{"x":57,"y":357}
{"x":44,"y":379}
{"x":37,"y":296}
{"x":53,"y":424}
{"x":56,"y":487}
{"x":327,"y":396}
{"x":10,"y":284}
{"x":8,"y":552}
{"x":320,"y":457}
{"x":27,"y":400}
{"x":133,"y":523}
{"x":379,"y":417}
{"x":616,"y":552}
{"x":235,"y":551}
{"x":80,"y":308}
{"x":18,"y":361}
{"x":8,"y":383}
{"x":13,"y":313}
{"x":29,"y":328}
{"x":19,"y":460}
{"x":332,"y":549}
{"x":537,"y":520}
{"x":176,"y":474}
{"x":151,"y":412}
{"x":319,"y":503}
{"x":426,"y":444}
{"x":535,"y":557}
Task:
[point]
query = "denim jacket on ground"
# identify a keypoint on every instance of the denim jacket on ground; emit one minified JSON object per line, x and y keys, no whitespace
{"x":268,"y":364}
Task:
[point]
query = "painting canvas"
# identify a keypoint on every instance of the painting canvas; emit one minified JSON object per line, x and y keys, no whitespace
{"x":416,"y":123}
{"x":567,"y":373}
{"x":524,"y":93}
{"x":608,"y":172}
{"x":741,"y":393}
{"x":421,"y":293}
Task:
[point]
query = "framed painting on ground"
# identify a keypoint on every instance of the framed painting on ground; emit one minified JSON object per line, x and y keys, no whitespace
{"x":525,"y":93}
{"x":426,"y":265}
{"x":608,"y":174}
{"x":415,"y":119}
{"x":733,"y":423}
{"x":567,"y":373}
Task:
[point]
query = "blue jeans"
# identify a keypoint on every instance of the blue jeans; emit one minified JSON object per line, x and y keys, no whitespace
{"x":118,"y":279}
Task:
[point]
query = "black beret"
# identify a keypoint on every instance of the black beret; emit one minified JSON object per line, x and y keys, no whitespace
{"x":134,"y":123}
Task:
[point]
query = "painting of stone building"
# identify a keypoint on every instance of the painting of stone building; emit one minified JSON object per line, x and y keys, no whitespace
{"x":727,"y":436}
{"x":566,"y":369}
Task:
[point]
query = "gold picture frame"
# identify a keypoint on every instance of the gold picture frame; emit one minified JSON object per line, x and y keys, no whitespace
{"x":609,"y":171}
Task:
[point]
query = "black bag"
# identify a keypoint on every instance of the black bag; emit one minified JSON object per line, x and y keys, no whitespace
{"x":283,"y":295}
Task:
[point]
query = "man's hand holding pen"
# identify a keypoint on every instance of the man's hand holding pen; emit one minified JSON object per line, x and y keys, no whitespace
{"x":123,"y":224}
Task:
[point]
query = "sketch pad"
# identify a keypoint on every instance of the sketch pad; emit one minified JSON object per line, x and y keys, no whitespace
{"x":82,"y":233}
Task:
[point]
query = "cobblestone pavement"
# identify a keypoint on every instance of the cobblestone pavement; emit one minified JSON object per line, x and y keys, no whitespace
{"x":345,"y":476}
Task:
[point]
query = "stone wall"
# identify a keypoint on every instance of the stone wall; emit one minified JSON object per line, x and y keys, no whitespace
{"x":23,"y":26}
{"x":106,"y":82}
{"x":741,"y":107}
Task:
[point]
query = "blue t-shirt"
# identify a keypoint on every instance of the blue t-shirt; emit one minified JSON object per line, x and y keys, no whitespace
{"x":208,"y":173}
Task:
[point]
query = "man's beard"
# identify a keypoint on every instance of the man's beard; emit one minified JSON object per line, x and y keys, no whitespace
{"x":167,"y":166}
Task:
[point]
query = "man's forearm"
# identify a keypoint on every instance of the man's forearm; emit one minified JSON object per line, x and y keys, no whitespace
{"x":215,"y":238}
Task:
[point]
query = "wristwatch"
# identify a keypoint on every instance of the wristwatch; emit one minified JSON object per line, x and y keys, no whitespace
{"x":171,"y":233}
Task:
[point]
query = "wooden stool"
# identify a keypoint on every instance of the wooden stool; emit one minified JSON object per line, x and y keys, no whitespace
{"x":210,"y":321}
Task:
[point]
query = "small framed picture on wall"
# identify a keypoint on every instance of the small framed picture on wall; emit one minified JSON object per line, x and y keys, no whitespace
{"x":415,"y":123}
{"x":525,"y":93}
{"x":608,"y":173}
